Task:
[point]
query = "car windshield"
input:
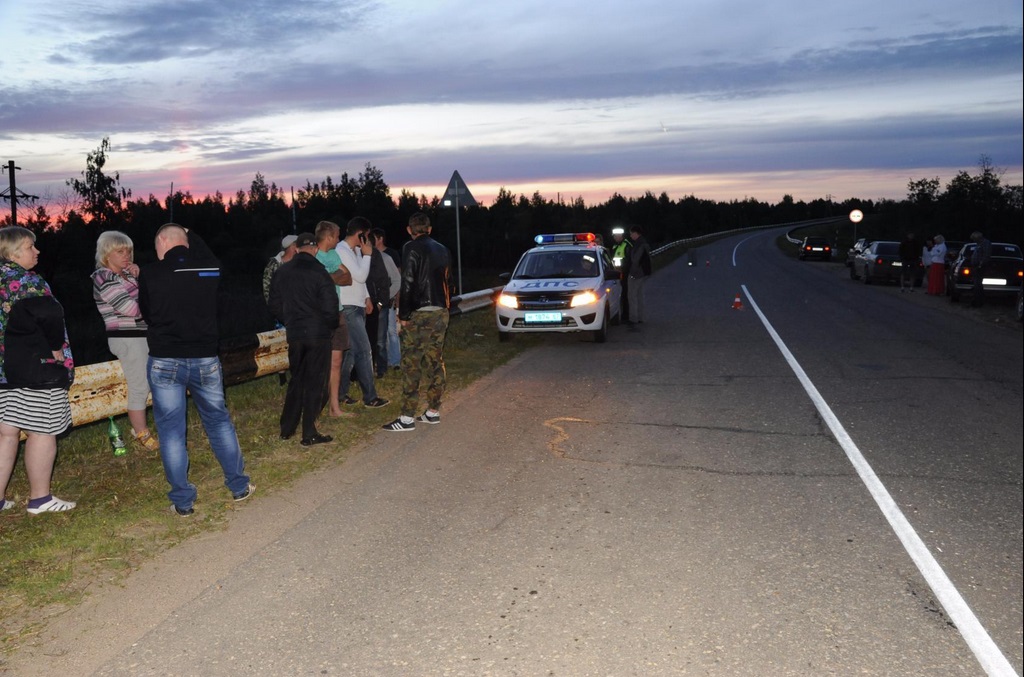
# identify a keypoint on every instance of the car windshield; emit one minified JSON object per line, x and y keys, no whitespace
{"x":546,"y":265}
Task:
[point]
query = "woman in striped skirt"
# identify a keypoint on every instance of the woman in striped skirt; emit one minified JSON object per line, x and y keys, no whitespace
{"x":36,"y":371}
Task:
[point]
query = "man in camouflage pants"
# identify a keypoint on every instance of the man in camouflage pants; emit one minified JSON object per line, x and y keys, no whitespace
{"x":423,"y":305}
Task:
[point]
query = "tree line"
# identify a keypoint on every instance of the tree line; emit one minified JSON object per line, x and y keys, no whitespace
{"x":244,"y":230}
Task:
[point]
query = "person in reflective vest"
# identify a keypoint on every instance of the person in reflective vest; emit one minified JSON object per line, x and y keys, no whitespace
{"x":620,"y":259}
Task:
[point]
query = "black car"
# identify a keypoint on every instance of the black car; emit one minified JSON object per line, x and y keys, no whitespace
{"x":1002,"y":275}
{"x":880,"y":262}
{"x":815,"y":248}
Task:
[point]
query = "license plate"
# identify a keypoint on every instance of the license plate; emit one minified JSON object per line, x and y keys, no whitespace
{"x":817,"y":249}
{"x":994,"y":281}
{"x":897,"y":264}
{"x":542,"y":318}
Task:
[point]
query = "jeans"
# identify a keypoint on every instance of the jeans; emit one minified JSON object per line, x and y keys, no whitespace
{"x":393,"y":342}
{"x":359,"y":355}
{"x":169,"y":377}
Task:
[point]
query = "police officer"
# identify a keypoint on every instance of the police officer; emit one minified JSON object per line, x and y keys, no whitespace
{"x":620,"y":259}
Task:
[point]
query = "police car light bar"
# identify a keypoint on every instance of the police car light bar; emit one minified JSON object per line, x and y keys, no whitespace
{"x":566,"y":238}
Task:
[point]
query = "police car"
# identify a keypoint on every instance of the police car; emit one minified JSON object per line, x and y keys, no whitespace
{"x":565,"y":284}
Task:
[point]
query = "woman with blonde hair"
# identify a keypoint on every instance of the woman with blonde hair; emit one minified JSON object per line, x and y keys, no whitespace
{"x":36,"y":370}
{"x":115,"y":288}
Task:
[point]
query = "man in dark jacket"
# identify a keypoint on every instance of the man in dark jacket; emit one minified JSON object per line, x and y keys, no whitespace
{"x":423,"y":304}
{"x":178,"y":299}
{"x":910,"y":257}
{"x":639,"y":272}
{"x":979,"y":260}
{"x":303,"y":299}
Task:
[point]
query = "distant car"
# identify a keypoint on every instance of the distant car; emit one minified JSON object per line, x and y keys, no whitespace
{"x":858,"y":246}
{"x":1002,"y":275}
{"x":565,"y":284}
{"x":815,"y":248}
{"x":880,"y":262}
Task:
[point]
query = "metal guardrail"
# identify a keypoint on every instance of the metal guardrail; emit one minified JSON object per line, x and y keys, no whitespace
{"x":99,"y":389}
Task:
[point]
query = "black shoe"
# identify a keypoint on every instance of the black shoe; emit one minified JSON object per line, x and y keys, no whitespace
{"x":181,"y":512}
{"x":426,"y":417}
{"x":398,"y":427}
{"x":377,"y":403}
{"x":348,"y":400}
{"x":286,"y":437}
{"x":316,"y":439}
{"x":242,"y":495}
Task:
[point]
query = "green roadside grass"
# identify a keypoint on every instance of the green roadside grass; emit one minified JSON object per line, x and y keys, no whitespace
{"x":123,"y":519}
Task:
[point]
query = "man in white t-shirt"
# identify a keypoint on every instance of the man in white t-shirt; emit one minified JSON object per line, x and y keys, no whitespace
{"x":354,"y":252}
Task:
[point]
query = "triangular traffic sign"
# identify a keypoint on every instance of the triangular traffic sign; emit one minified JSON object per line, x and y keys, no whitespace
{"x":458,"y":192}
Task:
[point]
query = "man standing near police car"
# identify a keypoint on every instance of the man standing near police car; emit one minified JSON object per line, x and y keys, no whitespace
{"x":423,"y":305}
{"x":620,"y":259}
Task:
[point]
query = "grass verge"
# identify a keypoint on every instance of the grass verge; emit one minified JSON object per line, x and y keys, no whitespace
{"x":48,"y":562}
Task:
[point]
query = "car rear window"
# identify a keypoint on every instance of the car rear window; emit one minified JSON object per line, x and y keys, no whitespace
{"x":887,"y":248}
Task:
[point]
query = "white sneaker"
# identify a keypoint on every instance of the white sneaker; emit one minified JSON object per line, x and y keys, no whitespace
{"x":53,"y":505}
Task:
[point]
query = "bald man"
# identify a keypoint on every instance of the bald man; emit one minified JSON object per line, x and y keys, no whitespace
{"x":178,"y":299}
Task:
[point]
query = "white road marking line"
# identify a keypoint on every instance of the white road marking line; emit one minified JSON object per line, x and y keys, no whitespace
{"x":985,"y":650}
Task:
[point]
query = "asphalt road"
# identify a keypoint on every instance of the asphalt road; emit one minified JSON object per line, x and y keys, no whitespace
{"x":671,"y":502}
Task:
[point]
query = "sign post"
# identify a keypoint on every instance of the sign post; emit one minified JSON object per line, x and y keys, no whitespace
{"x":457,"y":195}
{"x":856,"y":216}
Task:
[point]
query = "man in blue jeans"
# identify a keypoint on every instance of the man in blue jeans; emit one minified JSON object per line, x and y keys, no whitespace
{"x":178,"y":299}
{"x":355,"y":251}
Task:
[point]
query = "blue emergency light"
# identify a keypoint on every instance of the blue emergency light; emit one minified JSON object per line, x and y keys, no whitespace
{"x":566,"y":238}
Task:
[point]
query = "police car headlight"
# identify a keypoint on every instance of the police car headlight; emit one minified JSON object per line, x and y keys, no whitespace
{"x":584,"y":298}
{"x":508,"y":301}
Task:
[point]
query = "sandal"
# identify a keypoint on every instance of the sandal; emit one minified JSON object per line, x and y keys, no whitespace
{"x":147,"y":440}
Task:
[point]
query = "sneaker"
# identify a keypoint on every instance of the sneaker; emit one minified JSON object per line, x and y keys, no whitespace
{"x":249,"y":491}
{"x":53,"y":505}
{"x":427,"y":417}
{"x":377,"y":403}
{"x":316,"y":439}
{"x":348,"y":400}
{"x":181,"y":512}
{"x":5,"y":504}
{"x":398,"y":426}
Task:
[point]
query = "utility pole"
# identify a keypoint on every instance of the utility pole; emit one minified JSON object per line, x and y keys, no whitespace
{"x":13,"y":194}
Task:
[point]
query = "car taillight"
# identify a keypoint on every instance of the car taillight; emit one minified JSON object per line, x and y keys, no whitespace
{"x":966,"y":272}
{"x":828,"y":249}
{"x":807,"y":248}
{"x":878,"y":261}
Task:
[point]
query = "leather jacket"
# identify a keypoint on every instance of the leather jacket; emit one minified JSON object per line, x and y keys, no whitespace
{"x":426,"y":276}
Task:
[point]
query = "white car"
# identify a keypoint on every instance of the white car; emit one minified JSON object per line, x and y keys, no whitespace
{"x":565,"y":284}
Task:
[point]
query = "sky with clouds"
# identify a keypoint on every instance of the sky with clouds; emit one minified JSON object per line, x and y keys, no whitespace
{"x":722,"y":99}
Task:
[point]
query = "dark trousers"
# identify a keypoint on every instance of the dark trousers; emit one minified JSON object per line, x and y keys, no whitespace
{"x":372,"y":320}
{"x":310,"y":365}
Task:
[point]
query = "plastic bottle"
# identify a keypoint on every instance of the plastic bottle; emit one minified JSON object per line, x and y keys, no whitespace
{"x":116,"y":441}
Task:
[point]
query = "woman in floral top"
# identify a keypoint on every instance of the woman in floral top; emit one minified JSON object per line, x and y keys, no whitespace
{"x":36,"y":371}
{"x":115,"y":287}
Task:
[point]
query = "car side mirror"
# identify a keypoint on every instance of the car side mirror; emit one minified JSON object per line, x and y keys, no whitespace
{"x":505,"y":277}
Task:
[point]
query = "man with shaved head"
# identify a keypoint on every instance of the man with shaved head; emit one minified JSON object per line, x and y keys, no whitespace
{"x":178,"y":299}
